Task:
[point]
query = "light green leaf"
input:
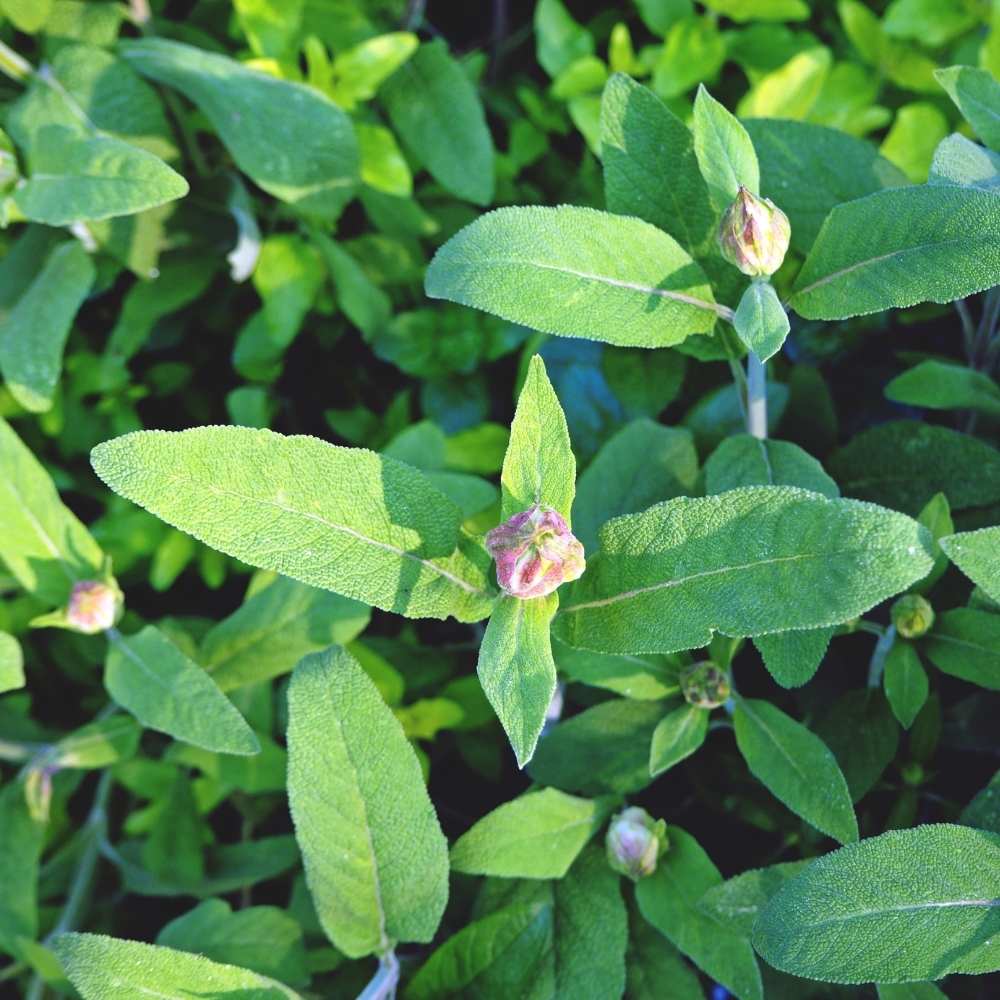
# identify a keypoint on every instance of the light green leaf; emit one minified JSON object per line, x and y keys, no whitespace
{"x":792,"y":658}
{"x":21,"y":842}
{"x":743,"y":460}
{"x":516,"y":669}
{"x":33,"y":334}
{"x":354,"y":780}
{"x":915,"y":133}
{"x":737,"y":901}
{"x":11,"y":663}
{"x":941,"y":386}
{"x":433,"y":105}
{"x":647,"y":678}
{"x":760,"y":320}
{"x":694,"y":50}
{"x":654,"y":967}
{"x":977,"y":555}
{"x":559,"y":39}
{"x":724,"y":150}
{"x":306,"y":156}
{"x":977,"y":95}
{"x":677,"y":735}
{"x":538,"y":835}
{"x":796,"y":767}
{"x":365,"y":304}
{"x":344,"y":519}
{"x":966,"y":643}
{"x":27,"y":15}
{"x":576,"y":272}
{"x":98,"y":744}
{"x":668,"y":899}
{"x":746,"y":563}
{"x":896,"y":248}
{"x":791,"y":90}
{"x":42,"y":542}
{"x":150,"y":677}
{"x":935,"y":516}
{"x":104,"y":968}
{"x":929,"y":22}
{"x":360,"y":71}
{"x":908,"y":905}
{"x":642,"y":142}
{"x":905,"y":682}
{"x":539,"y":467}
{"x":958,"y":160}
{"x":761,"y":10}
{"x":272,"y":630}
{"x":383,"y":165}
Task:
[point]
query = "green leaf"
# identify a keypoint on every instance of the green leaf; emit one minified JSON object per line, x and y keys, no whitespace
{"x":909,"y":991}
{"x":434,"y":107}
{"x":724,"y":150}
{"x":272,"y":630}
{"x":796,"y":767}
{"x":516,"y":669}
{"x":984,"y":809}
{"x":977,"y":555}
{"x":940,"y":386}
{"x":966,"y":643}
{"x":354,"y":780}
{"x":360,"y":71}
{"x":760,"y":320}
{"x":668,"y":899}
{"x":905,"y":682}
{"x":98,"y":744}
{"x":150,"y":677}
{"x":539,"y":467}
{"x":648,"y":678}
{"x":104,"y":968}
{"x":603,"y":749}
{"x":935,"y":516}
{"x":365,"y":304}
{"x":977,"y":95}
{"x":27,"y":15}
{"x":908,"y":905}
{"x":654,"y":968}
{"x":576,"y":272}
{"x":808,"y":169}
{"x":559,"y":39}
{"x":21,"y":842}
{"x":792,"y":658}
{"x":642,"y":464}
{"x":42,"y":542}
{"x":743,"y":460}
{"x":694,"y":50}
{"x":174,"y":848}
{"x":764,"y":10}
{"x":930,"y":22}
{"x":958,"y":160}
{"x":642,"y":142}
{"x":899,"y":247}
{"x":737,"y":901}
{"x":344,"y":519}
{"x":34,"y":332}
{"x":307,"y":155}
{"x":677,"y":735}
{"x":915,"y":133}
{"x":746,"y":563}
{"x":537,"y":835}
{"x":903,"y":464}
{"x":11,"y":663}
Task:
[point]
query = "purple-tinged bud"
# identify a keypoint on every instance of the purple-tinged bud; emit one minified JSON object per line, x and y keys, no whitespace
{"x":635,"y":842}
{"x":913,"y":616}
{"x":705,"y":685}
{"x":754,"y":234}
{"x":535,"y":552}
{"x":93,"y":606}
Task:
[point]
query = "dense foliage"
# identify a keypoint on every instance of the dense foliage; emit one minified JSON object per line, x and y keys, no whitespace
{"x":500,"y":500}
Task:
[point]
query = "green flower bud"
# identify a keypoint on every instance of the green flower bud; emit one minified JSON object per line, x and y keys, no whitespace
{"x":754,"y":235}
{"x":634,"y":843}
{"x":913,"y":616}
{"x":705,"y":685}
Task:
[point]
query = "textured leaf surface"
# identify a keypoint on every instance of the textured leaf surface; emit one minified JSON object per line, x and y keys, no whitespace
{"x":796,"y":767}
{"x":958,"y":160}
{"x":537,"y":835}
{"x":725,"y":151}
{"x":747,"y":562}
{"x":966,"y":643}
{"x":977,"y":555}
{"x":648,"y":678}
{"x":899,"y":247}
{"x":435,"y":108}
{"x":307,"y":155}
{"x":669,"y":899}
{"x":345,"y":519}
{"x":743,"y":460}
{"x":677,"y":735}
{"x":792,"y":658}
{"x":905,"y":682}
{"x":760,"y":321}
{"x":977,"y":95}
{"x":940,"y":386}
{"x":150,"y":677}
{"x":354,"y":780}
{"x":33,"y":334}
{"x":104,"y":968}
{"x":908,"y":905}
{"x":576,"y":272}
{"x":737,"y":901}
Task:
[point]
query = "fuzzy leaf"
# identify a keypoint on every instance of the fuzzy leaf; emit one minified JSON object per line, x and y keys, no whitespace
{"x":792,"y":658}
{"x":760,"y":320}
{"x":977,"y":95}
{"x":725,"y":152}
{"x":941,"y":386}
{"x":958,"y":160}
{"x":743,"y":460}
{"x":966,"y":643}
{"x":677,"y":735}
{"x":977,"y":555}
{"x":737,"y":901}
{"x":905,"y":682}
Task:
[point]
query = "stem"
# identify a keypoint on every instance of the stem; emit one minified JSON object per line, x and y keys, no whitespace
{"x":756,"y":397}
{"x":13,"y":65}
{"x":968,"y":329}
{"x":15,"y":752}
{"x":876,"y":666}
{"x":383,"y":984}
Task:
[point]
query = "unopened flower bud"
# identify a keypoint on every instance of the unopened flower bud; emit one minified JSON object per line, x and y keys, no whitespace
{"x":535,"y":552}
{"x":913,"y":616}
{"x":634,"y":843}
{"x":93,"y":606}
{"x":38,"y":791}
{"x":705,"y":685}
{"x":754,"y":234}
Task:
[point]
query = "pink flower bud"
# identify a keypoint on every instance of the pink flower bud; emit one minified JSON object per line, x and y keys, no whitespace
{"x":93,"y":606}
{"x":634,"y":843}
{"x":754,"y":234}
{"x":535,"y":552}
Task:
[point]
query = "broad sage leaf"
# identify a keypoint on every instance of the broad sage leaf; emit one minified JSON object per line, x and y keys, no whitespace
{"x":743,"y":460}
{"x":941,"y":386}
{"x":976,"y":94}
{"x":354,"y":780}
{"x":905,"y":682}
{"x":577,"y":272}
{"x":744,"y":563}
{"x":760,"y":320}
{"x":792,"y":658}
{"x":725,"y":151}
{"x":344,"y":519}
{"x":966,"y":643}
{"x":737,"y":901}
{"x":677,"y":735}
{"x":958,"y":160}
{"x":977,"y":555}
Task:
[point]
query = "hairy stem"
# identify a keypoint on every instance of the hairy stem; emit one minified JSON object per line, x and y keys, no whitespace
{"x":383,"y":984}
{"x":756,"y":397}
